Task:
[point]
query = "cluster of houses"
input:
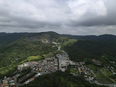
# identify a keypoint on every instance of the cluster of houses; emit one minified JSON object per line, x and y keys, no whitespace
{"x":8,"y":82}
{"x":97,"y":62}
{"x":29,"y":80}
{"x":50,"y":65}
{"x":89,"y":74}
{"x":46,"y":66}
{"x":64,"y":61}
{"x":111,"y":69}
{"x":27,"y":64}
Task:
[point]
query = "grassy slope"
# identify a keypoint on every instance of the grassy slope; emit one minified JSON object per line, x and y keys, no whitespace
{"x":48,"y":55}
{"x":102,"y":74}
{"x":32,"y":58}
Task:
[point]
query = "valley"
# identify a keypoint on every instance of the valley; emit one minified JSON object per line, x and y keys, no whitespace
{"x":61,"y":62}
{"x":38,"y":56}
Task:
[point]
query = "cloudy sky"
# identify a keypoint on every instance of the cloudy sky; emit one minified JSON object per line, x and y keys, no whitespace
{"x":78,"y":17}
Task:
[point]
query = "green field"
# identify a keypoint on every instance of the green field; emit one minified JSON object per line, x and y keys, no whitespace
{"x":48,"y":55}
{"x":104,"y":81}
{"x":106,"y":72}
{"x":70,"y":42}
{"x":32,"y":58}
{"x":102,"y":75}
{"x":99,"y":71}
{"x":94,"y":68}
{"x":73,"y":70}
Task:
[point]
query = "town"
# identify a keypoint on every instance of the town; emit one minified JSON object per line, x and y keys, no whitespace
{"x":50,"y":65}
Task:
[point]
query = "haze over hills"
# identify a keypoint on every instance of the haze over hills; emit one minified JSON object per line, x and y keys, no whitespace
{"x":92,"y":37}
{"x":7,"y":38}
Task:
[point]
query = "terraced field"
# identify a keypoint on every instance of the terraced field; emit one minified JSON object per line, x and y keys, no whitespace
{"x":102,"y":74}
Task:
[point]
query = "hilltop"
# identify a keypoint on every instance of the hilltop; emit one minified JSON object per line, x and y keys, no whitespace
{"x":7,"y":38}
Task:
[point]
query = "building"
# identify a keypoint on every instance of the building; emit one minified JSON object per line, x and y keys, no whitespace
{"x":5,"y":85}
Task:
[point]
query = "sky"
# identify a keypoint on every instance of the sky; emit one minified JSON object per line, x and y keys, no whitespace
{"x":76,"y":17}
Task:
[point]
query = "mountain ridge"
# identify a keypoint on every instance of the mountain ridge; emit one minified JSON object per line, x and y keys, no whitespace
{"x":92,"y":37}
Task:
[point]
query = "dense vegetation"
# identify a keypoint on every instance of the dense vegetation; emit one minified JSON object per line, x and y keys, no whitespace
{"x":7,"y":38}
{"x":22,"y":47}
{"x":103,"y":52}
{"x":19,"y":48}
{"x":60,"y":79}
{"x":86,"y":49}
{"x":15,"y":53}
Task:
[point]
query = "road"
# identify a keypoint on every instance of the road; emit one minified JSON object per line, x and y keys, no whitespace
{"x":15,"y":80}
{"x":0,"y":83}
{"x":110,"y":85}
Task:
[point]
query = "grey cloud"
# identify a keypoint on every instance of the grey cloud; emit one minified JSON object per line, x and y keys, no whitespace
{"x":62,"y":16}
{"x":109,"y":19}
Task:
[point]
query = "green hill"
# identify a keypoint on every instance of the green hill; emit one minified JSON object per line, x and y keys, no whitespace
{"x":27,"y":47}
{"x":86,"y":49}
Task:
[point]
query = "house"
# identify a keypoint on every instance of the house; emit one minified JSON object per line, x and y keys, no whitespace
{"x":80,"y":71}
{"x":56,"y":65}
{"x":115,"y":85}
{"x":26,"y":82}
{"x":31,"y":79}
{"x":93,"y":59}
{"x":37,"y":74}
{"x":12,"y":83}
{"x":50,"y":59}
{"x":5,"y":81}
{"x":40,"y":69}
{"x":5,"y":85}
{"x":114,"y":73}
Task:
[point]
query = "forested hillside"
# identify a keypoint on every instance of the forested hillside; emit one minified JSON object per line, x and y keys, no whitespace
{"x":60,"y":79}
{"x":86,"y":49}
{"x":28,"y":44}
{"x":23,"y":47}
{"x":7,"y":38}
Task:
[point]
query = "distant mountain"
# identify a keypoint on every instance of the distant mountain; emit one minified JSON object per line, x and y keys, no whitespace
{"x":7,"y":38}
{"x":92,"y":37}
